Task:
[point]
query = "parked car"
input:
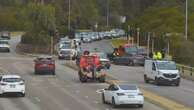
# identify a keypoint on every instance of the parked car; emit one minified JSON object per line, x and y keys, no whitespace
{"x":5,"y":35}
{"x":12,"y":84}
{"x":44,"y":64}
{"x":4,"y":45}
{"x":122,"y":94}
{"x":161,"y":72}
{"x":67,"y":54}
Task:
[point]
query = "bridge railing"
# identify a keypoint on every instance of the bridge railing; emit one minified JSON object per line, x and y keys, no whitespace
{"x":186,"y":71}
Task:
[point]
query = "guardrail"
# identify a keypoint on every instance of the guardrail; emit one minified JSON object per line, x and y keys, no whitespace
{"x":186,"y":71}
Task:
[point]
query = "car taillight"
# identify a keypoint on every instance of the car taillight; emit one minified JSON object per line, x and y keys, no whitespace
{"x":3,"y":84}
{"x":120,"y":94}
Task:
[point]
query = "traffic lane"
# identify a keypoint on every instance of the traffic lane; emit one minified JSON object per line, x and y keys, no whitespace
{"x":92,"y":85}
{"x":183,"y":93}
{"x":103,"y":45}
{"x":13,"y":43}
{"x":50,"y":93}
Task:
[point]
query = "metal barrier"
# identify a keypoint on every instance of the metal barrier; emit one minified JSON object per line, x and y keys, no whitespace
{"x":186,"y":71}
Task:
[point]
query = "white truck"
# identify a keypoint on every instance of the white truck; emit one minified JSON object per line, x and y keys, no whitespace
{"x":161,"y":72}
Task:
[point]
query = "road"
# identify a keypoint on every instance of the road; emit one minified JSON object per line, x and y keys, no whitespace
{"x":182,"y":94}
{"x":45,"y":92}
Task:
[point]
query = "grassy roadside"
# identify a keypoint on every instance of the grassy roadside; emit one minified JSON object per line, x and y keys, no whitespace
{"x":118,"y":42}
{"x":16,"y":33}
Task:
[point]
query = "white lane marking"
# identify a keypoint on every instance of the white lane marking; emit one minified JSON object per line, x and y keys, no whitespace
{"x":96,"y":102}
{"x":187,"y":89}
{"x":7,"y":104}
{"x":30,"y":105}
{"x":99,"y":91}
{"x":37,"y":99}
{"x":86,"y":97}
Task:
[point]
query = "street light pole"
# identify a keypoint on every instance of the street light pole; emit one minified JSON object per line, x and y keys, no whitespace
{"x":107,"y":13}
{"x":148,"y":44}
{"x":138,"y":29}
{"x":186,"y":19}
{"x":69,"y":16}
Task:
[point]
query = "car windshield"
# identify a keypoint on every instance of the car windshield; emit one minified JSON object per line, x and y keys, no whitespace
{"x":131,"y":50}
{"x":166,"y":65}
{"x":4,"y":42}
{"x":12,"y":80}
{"x":128,"y":87}
{"x":103,"y":56}
{"x":66,"y":46}
{"x":65,"y":52}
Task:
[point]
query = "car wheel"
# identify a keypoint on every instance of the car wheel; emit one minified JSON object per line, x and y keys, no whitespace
{"x":53,"y":72}
{"x":157,"y":82}
{"x":146,"y":80}
{"x":177,"y":84}
{"x":103,"y":99}
{"x":113,"y":103}
{"x":102,"y":79}
{"x":131,"y":63}
{"x":140,"y":105}
{"x":23,"y":94}
{"x":82,"y":78}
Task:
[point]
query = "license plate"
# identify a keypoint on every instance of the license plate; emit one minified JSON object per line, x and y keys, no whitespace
{"x":44,"y":65}
{"x":12,"y":86}
{"x":130,"y":96}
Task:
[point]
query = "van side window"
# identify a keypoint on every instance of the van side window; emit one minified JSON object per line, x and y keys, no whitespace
{"x":0,"y":78}
{"x":153,"y":66}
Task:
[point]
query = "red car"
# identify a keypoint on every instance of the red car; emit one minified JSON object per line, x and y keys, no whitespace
{"x":44,"y":64}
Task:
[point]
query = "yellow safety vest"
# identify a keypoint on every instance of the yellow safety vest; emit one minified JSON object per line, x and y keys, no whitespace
{"x":155,"y":56}
{"x":159,"y":56}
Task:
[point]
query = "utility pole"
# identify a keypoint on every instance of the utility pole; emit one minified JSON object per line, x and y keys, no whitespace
{"x":107,"y":13}
{"x":186,"y":19}
{"x":153,"y":42}
{"x":69,"y":16}
{"x":138,"y":29}
{"x":129,"y":34}
{"x":148,"y":44}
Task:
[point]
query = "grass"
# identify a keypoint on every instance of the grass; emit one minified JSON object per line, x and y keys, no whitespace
{"x":17,"y":33}
{"x":118,"y":42}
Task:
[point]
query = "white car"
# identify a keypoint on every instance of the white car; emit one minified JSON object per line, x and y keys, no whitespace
{"x":123,"y":94}
{"x":4,"y":46}
{"x":12,"y":84}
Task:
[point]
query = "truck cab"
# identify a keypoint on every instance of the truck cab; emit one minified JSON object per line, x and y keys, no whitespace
{"x":161,"y":72}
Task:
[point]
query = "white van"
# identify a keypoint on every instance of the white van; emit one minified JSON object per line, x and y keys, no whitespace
{"x":161,"y":72}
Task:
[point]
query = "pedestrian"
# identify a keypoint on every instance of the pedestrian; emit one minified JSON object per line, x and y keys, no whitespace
{"x":159,"y":55}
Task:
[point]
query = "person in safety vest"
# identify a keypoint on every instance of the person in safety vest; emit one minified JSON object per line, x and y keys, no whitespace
{"x":154,"y":56}
{"x":116,"y":52}
{"x":159,"y":55}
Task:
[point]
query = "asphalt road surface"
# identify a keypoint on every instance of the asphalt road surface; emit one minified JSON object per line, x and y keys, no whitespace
{"x":182,"y":94}
{"x":47,"y":92}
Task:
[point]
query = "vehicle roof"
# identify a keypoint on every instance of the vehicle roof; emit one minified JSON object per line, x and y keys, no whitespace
{"x":45,"y":56}
{"x":10,"y":76}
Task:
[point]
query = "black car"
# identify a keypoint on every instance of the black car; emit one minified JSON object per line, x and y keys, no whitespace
{"x":129,"y":59}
